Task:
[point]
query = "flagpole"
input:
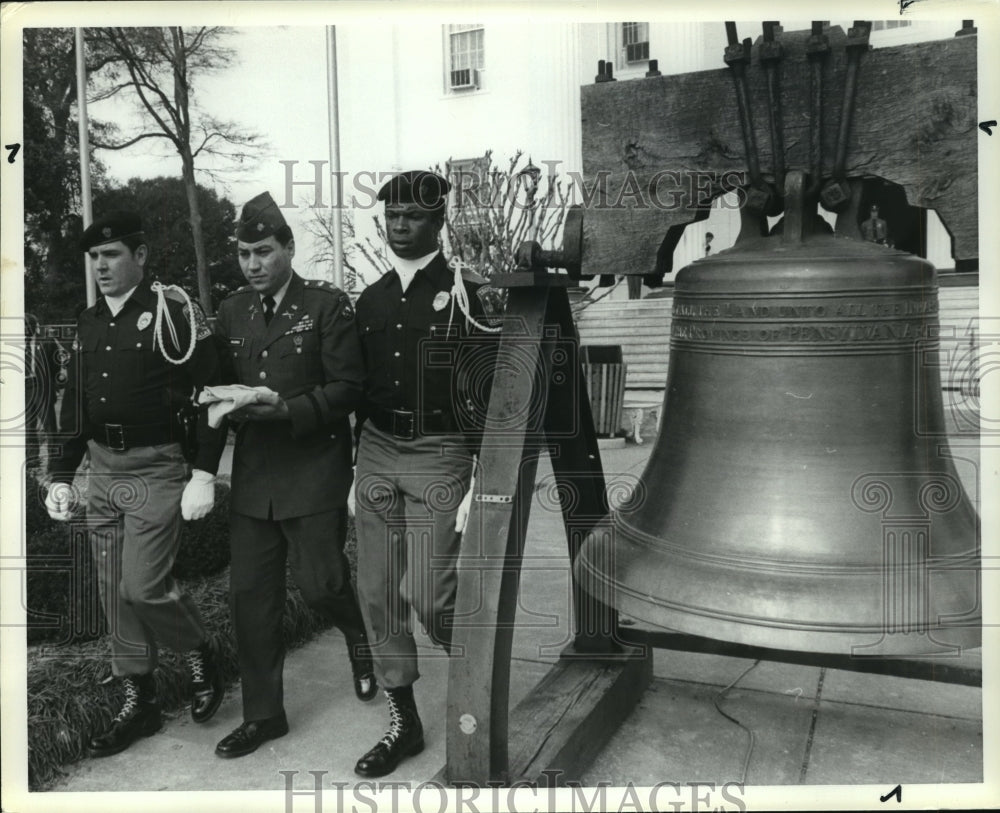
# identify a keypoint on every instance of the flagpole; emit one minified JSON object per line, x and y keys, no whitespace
{"x":337,"y":190}
{"x":81,"y":100}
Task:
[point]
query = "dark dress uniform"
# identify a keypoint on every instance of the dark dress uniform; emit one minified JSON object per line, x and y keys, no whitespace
{"x":427,"y":375}
{"x":121,"y":402}
{"x":428,"y":369}
{"x":290,"y":478}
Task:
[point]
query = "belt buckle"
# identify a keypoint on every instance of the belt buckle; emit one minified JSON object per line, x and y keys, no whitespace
{"x":115,"y":443}
{"x":402,"y":424}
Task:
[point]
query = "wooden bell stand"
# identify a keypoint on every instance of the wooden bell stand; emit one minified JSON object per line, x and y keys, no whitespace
{"x":539,"y":402}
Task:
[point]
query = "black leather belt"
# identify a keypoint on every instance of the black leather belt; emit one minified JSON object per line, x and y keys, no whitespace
{"x":404,"y":424}
{"x":119,"y":437}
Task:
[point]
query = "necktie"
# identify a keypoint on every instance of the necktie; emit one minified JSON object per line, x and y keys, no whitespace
{"x":268,"y":308}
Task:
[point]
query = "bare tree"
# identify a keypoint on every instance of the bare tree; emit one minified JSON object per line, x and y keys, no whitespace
{"x":160,"y":66}
{"x":321,"y":226}
{"x":52,"y":223}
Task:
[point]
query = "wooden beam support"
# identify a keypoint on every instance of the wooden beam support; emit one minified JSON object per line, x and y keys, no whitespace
{"x":965,"y":670}
{"x":562,"y":725}
{"x":489,"y":564}
{"x":538,"y":403}
{"x":657,"y":150}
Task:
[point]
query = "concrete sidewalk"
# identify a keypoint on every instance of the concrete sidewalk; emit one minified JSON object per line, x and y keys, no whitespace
{"x":809,"y":725}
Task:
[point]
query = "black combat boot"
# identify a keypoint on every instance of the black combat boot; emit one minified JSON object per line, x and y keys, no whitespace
{"x":404,"y":738}
{"x":139,"y":717}
{"x":207,"y":688}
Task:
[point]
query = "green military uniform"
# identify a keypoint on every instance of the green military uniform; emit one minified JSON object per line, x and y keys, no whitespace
{"x":290,"y":478}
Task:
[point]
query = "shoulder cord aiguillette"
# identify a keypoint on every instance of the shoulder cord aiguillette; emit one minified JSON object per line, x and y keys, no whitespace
{"x":461,"y":296}
{"x":162,"y":313}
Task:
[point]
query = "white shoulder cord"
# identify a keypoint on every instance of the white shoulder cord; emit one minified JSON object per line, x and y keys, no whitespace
{"x":461,"y":296}
{"x":162,"y":313}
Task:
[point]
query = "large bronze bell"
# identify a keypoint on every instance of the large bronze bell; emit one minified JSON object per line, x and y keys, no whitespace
{"x":800,"y":495}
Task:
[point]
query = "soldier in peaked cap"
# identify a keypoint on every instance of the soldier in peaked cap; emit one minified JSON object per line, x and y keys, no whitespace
{"x":138,"y":356}
{"x":415,"y":449}
{"x":291,"y":465}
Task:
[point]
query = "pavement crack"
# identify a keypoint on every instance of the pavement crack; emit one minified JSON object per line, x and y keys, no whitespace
{"x":812,"y":727}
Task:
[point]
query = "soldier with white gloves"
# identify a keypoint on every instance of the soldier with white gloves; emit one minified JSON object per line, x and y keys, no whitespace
{"x":140,"y":354}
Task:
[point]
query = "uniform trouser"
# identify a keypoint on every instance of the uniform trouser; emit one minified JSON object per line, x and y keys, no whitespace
{"x":134,"y":513}
{"x":314,"y":549}
{"x":407,"y":495}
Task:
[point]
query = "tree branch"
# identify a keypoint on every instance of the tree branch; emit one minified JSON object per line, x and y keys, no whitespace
{"x":141,"y":79}
{"x":126,"y":144}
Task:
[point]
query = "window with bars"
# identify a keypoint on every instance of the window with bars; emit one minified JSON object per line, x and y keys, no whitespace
{"x":465,"y":56}
{"x":634,"y":43}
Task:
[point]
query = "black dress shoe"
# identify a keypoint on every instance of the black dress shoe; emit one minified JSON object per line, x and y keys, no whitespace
{"x":365,"y":685}
{"x":139,"y":717}
{"x":404,"y":738}
{"x":207,"y":688}
{"x":251,"y":735}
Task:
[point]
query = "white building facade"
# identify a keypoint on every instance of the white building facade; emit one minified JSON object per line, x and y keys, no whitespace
{"x":425,"y":94}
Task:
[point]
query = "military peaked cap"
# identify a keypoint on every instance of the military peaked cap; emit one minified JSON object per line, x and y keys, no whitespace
{"x":111,"y":227}
{"x":426,"y":189}
{"x":260,"y":218}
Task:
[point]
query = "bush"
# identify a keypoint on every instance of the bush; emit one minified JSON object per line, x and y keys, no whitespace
{"x":204,"y":549}
{"x":63,"y":604}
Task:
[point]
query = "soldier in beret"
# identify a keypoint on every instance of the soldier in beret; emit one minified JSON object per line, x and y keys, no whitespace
{"x":425,"y":351}
{"x":140,"y":354}
{"x":291,"y":465}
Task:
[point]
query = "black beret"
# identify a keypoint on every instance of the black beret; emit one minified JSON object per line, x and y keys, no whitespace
{"x":260,"y":218}
{"x":111,"y":227}
{"x":427,"y":189}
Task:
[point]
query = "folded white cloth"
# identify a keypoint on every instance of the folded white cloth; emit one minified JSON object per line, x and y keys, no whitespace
{"x":225,"y":399}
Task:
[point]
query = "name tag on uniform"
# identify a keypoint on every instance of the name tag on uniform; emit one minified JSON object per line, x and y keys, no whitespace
{"x":236,"y":342}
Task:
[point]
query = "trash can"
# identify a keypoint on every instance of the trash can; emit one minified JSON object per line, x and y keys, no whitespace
{"x":604,"y":372}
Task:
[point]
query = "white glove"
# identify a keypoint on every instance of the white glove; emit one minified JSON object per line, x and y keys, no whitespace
{"x":351,"y":506}
{"x":59,"y":501}
{"x":465,"y":507}
{"x":198,"y":498}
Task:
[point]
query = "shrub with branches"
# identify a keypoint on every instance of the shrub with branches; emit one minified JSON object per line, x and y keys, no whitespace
{"x":491,"y":211}
{"x":496,"y":209}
